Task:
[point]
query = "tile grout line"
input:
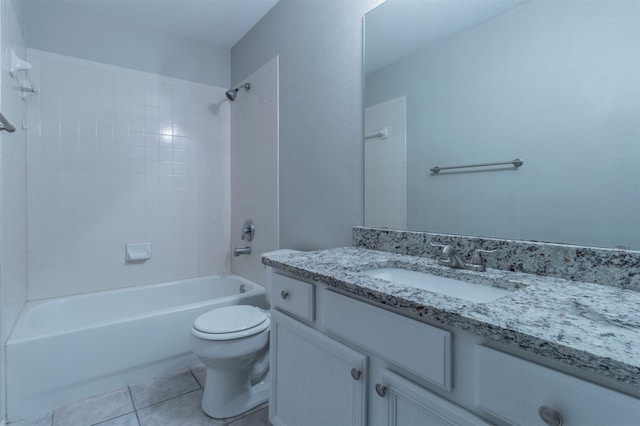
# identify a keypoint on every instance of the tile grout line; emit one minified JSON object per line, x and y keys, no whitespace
{"x":111,"y":418}
{"x":168,"y":399}
{"x":135,"y":409}
{"x":195,"y":378}
{"x":123,"y":414}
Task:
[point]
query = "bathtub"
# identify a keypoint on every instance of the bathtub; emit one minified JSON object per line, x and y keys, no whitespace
{"x":62,"y":350}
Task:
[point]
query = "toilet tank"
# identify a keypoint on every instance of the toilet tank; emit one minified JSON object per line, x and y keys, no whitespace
{"x":268,"y":270}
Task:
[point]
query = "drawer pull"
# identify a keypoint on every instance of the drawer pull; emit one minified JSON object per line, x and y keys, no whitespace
{"x":550,"y":416}
{"x":284,"y":294}
{"x":355,"y":373}
{"x":381,"y":390}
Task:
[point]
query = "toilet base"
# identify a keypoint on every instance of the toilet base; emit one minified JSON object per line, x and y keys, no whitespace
{"x":224,"y":396}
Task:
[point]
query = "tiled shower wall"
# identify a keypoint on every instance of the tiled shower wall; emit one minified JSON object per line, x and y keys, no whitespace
{"x":117,"y":156}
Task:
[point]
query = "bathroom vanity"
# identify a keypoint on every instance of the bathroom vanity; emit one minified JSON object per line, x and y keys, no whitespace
{"x":349,"y":348}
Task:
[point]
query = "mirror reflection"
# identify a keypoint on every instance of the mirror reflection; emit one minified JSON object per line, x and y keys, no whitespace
{"x":462,"y":82}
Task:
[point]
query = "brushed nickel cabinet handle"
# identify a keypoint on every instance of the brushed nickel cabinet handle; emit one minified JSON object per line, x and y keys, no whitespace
{"x":381,"y":390}
{"x":550,"y":416}
{"x":355,"y":373}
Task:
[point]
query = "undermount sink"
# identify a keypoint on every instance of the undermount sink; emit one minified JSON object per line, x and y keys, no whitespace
{"x":447,"y":286}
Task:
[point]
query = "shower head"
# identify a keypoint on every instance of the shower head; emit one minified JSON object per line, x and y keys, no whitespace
{"x":232,"y":93}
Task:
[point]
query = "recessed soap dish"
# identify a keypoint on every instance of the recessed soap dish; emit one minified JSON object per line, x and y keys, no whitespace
{"x":138,"y":252}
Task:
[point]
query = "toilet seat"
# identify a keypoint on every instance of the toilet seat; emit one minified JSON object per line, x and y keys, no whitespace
{"x":230,"y":322}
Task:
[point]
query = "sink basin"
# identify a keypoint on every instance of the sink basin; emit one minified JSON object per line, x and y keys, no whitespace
{"x":447,"y":286}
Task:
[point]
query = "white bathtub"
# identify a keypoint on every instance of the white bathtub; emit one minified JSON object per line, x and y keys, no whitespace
{"x":62,"y":350}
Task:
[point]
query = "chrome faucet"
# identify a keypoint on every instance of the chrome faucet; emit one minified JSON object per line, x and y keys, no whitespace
{"x":450,"y":257}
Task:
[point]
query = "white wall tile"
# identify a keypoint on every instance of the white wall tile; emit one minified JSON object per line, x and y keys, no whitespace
{"x":111,"y":165}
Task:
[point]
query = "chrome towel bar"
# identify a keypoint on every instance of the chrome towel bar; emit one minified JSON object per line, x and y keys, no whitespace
{"x":515,"y":163}
{"x":6,"y":125}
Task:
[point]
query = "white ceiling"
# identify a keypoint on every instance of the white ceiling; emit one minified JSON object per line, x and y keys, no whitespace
{"x":221,"y":23}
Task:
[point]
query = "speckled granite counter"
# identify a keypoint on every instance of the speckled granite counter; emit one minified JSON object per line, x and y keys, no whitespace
{"x":593,"y":327}
{"x":612,"y":267}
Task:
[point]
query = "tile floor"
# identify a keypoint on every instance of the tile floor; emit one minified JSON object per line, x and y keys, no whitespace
{"x":171,"y":400}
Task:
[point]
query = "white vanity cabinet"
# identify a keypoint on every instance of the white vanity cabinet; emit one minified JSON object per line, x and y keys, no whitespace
{"x":335,"y":361}
{"x":339,"y":361}
{"x":398,"y":343}
{"x":314,"y":379}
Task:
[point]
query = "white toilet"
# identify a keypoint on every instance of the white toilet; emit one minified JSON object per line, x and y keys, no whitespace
{"x":232,"y":342}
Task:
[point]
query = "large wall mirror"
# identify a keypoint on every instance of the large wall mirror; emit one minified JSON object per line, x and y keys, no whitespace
{"x":462,"y":82}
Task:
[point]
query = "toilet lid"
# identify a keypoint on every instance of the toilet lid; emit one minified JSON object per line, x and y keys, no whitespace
{"x":229,"y":319}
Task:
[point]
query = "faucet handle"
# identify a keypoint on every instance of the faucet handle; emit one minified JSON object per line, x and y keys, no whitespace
{"x":248,"y":230}
{"x":446,"y":249}
{"x":477,"y":258}
{"x":442,"y":246}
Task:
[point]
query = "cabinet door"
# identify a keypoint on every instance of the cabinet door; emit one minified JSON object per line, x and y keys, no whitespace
{"x":314,"y":379}
{"x":408,"y":404}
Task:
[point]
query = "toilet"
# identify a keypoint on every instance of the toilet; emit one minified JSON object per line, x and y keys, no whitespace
{"x":232,"y":342}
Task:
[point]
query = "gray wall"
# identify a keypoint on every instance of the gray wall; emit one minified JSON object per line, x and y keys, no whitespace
{"x":70,"y":30}
{"x":321,"y":151}
{"x":554,"y":83}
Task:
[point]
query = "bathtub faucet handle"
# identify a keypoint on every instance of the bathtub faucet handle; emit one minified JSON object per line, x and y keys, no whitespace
{"x":248,"y":230}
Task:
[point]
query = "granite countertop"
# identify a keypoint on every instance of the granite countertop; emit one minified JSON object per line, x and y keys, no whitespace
{"x":593,"y":327}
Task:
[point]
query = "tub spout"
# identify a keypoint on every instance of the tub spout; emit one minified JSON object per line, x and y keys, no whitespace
{"x":242,"y":250}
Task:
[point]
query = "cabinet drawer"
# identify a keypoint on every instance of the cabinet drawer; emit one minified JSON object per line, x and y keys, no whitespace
{"x":417,"y":347}
{"x":292,"y":296}
{"x":513,"y":390}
